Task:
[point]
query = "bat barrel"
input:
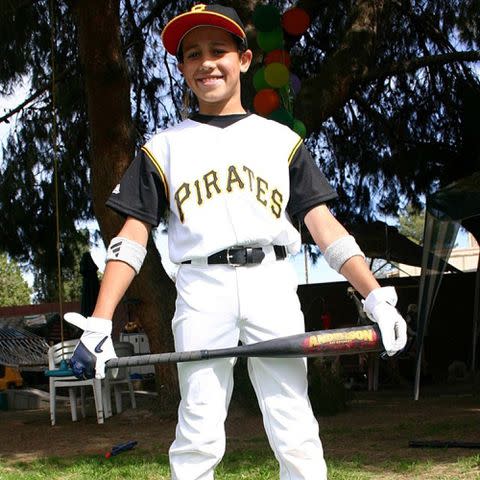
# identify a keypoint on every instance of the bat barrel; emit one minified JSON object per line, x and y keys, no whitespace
{"x":343,"y":341}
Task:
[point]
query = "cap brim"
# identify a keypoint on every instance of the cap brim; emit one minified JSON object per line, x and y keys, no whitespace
{"x":178,"y":27}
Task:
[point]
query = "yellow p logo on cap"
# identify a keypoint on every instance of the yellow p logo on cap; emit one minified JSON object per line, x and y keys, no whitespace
{"x":199,"y":8}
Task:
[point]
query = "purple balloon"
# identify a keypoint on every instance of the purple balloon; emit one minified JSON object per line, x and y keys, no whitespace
{"x":295,"y":83}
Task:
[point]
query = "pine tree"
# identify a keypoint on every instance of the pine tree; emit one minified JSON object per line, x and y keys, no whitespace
{"x":14,"y":289}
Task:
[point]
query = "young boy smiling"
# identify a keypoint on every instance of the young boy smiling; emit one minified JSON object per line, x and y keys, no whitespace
{"x":211,"y":66}
{"x":232,"y":182}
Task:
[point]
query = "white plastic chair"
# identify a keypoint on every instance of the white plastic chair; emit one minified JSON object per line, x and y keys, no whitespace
{"x":116,"y":378}
{"x":63,"y":351}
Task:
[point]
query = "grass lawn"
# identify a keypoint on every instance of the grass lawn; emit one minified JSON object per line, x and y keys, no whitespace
{"x":248,"y":465}
{"x":368,"y":441}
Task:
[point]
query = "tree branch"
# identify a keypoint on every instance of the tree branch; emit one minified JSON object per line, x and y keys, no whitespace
{"x":154,"y":13}
{"x":353,"y":64}
{"x":333,"y":86}
{"x":411,"y":65}
{"x":22,"y":105}
{"x":33,"y":97}
{"x":170,"y":79}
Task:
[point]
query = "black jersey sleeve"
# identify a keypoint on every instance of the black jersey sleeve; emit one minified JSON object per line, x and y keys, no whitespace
{"x":141,"y":192}
{"x":308,"y":185}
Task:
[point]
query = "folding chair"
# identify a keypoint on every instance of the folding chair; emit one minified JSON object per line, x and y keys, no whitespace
{"x":59,"y":378}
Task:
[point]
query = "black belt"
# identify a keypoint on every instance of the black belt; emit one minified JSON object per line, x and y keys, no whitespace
{"x":238,"y":256}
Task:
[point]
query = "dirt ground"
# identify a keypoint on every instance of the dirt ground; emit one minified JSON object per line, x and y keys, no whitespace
{"x":377,"y":427}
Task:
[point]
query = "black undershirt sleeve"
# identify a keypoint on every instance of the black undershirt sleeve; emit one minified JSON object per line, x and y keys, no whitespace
{"x":308,"y":185}
{"x":140,"y":193}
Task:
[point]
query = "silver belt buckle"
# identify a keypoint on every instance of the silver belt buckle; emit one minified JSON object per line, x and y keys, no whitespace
{"x":228,"y":260}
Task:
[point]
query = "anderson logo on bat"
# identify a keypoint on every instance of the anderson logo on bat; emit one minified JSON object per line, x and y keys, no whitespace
{"x":339,"y":338}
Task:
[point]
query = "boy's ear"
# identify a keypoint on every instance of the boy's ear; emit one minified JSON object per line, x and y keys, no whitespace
{"x":245,"y":60}
{"x":180,"y":67}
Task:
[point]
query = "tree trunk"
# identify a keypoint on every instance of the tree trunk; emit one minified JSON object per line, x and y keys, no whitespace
{"x":112,"y":147}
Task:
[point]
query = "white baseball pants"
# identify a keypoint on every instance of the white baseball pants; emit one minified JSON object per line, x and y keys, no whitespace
{"x":218,"y":305}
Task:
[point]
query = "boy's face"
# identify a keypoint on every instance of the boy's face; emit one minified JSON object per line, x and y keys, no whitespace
{"x":211,"y":66}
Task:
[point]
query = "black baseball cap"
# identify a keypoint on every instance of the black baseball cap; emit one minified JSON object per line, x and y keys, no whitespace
{"x":202,"y":16}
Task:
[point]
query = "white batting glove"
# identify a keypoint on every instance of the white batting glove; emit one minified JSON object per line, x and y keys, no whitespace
{"x":380,"y":308}
{"x":95,"y":347}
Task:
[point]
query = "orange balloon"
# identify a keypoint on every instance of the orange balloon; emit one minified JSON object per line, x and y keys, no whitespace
{"x":295,"y":21}
{"x":278,"y":56}
{"x":266,"y":101}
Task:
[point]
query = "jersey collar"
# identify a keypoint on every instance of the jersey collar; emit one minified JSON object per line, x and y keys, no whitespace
{"x":220,"y":121}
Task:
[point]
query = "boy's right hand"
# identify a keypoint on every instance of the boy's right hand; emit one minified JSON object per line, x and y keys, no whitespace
{"x":95,"y":347}
{"x":380,"y":308}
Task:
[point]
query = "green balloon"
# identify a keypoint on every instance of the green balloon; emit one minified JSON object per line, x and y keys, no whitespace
{"x":299,"y":128}
{"x":282,"y":116}
{"x":277,"y":75}
{"x":259,"y":81}
{"x":266,"y":18}
{"x":272,"y":40}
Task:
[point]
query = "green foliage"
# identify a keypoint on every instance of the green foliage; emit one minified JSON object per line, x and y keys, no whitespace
{"x":27,"y":192}
{"x":46,"y":284}
{"x":411,"y":224}
{"x":14,"y":290}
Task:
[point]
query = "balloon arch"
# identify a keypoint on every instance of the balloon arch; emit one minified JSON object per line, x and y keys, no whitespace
{"x":275,"y":85}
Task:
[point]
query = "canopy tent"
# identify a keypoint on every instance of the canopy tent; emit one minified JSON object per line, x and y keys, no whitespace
{"x":446,"y":210}
{"x":380,"y":240}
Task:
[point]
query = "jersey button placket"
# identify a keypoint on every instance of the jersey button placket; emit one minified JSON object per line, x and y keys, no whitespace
{"x":226,"y":146}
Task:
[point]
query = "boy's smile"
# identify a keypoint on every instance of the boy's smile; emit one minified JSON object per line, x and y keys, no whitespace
{"x":211,"y":66}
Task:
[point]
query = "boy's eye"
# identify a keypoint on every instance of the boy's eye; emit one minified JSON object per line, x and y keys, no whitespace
{"x":192,"y":54}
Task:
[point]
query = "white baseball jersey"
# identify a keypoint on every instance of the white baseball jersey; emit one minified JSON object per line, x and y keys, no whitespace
{"x":227,"y":181}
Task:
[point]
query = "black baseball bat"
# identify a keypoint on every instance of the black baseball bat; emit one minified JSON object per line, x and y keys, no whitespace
{"x":342,"y":341}
{"x":442,"y":444}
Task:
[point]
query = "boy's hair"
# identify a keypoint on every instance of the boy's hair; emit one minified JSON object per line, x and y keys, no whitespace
{"x":200,"y":15}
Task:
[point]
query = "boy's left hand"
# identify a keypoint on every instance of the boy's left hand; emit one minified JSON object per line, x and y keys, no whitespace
{"x":380,"y":308}
{"x":95,"y":347}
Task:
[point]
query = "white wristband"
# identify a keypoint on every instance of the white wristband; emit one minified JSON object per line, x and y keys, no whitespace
{"x":99,"y":325}
{"x":128,"y":251}
{"x":339,"y":251}
{"x":92,"y":324}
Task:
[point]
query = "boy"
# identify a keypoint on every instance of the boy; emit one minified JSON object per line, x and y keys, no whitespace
{"x":232,"y":181}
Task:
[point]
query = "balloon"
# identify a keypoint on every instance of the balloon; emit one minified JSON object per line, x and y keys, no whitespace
{"x":266,"y":101}
{"x":269,"y":41}
{"x":277,"y":75}
{"x":282,"y":116}
{"x":295,"y":21}
{"x":295,"y":83}
{"x":280,"y":56}
{"x":299,"y":127}
{"x":266,"y":18}
{"x":259,"y":81}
